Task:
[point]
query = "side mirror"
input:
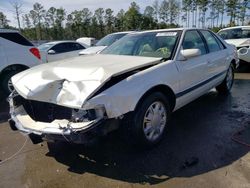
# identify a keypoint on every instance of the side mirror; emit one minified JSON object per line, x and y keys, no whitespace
{"x":189,"y":53}
{"x":51,"y":52}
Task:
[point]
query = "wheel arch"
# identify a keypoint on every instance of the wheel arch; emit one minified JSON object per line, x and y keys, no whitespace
{"x":14,"y":67}
{"x":233,"y":62}
{"x":166,"y":90}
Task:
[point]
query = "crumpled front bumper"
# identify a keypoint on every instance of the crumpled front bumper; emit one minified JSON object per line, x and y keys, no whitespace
{"x":63,"y":130}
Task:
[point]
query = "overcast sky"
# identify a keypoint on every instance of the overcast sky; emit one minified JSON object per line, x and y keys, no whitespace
{"x":69,"y":5}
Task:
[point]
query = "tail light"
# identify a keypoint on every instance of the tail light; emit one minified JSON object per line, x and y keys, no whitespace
{"x":35,"y":52}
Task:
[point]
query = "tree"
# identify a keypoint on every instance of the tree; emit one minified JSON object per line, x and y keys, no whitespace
{"x":50,"y":19}
{"x":60,"y":16}
{"x":244,"y":6}
{"x":109,"y":20}
{"x":193,"y":8}
{"x":164,"y":11}
{"x":213,"y":13}
{"x":69,"y":26}
{"x":51,"y":16}
{"x":133,"y":17}
{"x":94,"y":28}
{"x":87,"y":14}
{"x":37,"y":15}
{"x":3,"y":21}
{"x":231,"y":10}
{"x":203,"y":6}
{"x":156,"y":8}
{"x":173,"y":11}
{"x":221,"y":11}
{"x":148,"y":21}
{"x":77,"y":23}
{"x":120,"y":21}
{"x":26,"y":21}
{"x":186,"y":8}
{"x":99,"y":14}
{"x":17,"y":7}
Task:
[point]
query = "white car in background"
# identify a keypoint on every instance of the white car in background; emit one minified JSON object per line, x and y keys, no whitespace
{"x":240,"y":37}
{"x":87,"y":41}
{"x":58,"y":50}
{"x":16,"y":54}
{"x":103,"y":43}
{"x":138,"y":81}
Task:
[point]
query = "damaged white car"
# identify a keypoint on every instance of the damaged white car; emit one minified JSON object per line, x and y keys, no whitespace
{"x":140,"y":79}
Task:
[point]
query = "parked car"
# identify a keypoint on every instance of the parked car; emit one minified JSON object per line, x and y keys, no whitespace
{"x":58,"y":50}
{"x":103,"y":43}
{"x":139,"y":80}
{"x":16,"y":54}
{"x":240,"y":37}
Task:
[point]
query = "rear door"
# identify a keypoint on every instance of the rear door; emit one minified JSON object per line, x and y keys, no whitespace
{"x":218,"y":56}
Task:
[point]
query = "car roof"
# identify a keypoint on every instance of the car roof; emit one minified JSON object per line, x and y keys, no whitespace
{"x":8,"y":31}
{"x":236,"y":27}
{"x":167,"y":30}
{"x":62,"y":41}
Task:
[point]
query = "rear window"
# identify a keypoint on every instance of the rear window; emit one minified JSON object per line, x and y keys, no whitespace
{"x":17,"y":38}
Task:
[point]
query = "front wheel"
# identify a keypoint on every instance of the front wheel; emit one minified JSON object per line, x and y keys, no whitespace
{"x":6,"y":82}
{"x":227,"y":83}
{"x":150,"y":119}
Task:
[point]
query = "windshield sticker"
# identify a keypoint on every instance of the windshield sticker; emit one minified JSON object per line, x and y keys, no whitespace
{"x":166,"y":34}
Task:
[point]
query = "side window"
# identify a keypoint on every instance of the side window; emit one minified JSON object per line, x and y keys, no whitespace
{"x":17,"y":38}
{"x":219,"y":42}
{"x":79,"y":47}
{"x":71,"y":46}
{"x":212,"y":43}
{"x":193,"y":40}
{"x":60,"y":48}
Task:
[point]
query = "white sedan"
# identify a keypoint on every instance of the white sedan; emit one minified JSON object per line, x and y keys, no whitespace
{"x":137,"y":82}
{"x":58,"y":50}
{"x":240,"y":37}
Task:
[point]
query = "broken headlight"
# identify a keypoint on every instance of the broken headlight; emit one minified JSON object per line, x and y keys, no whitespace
{"x":79,"y":115}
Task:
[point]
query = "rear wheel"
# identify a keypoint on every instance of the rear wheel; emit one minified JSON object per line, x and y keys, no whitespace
{"x":6,"y":82}
{"x":227,"y":83}
{"x":150,"y":119}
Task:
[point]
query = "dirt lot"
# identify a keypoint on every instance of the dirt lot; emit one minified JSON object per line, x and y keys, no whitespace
{"x":198,"y":151}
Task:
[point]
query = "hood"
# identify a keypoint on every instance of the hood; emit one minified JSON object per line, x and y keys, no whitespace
{"x":70,"y":82}
{"x":92,"y":50}
{"x":239,"y":42}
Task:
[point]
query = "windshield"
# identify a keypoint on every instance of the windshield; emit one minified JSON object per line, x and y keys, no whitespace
{"x":238,"y":33}
{"x":152,"y":44}
{"x":110,"y":39}
{"x":45,"y":46}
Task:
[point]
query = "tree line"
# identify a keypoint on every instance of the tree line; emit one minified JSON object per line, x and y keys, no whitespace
{"x":57,"y":24}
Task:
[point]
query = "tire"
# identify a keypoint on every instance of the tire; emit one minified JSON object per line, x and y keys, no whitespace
{"x":149,"y":123}
{"x":7,"y":88}
{"x":226,"y":86}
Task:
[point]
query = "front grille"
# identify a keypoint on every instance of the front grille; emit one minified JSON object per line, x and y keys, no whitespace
{"x":42,"y":111}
